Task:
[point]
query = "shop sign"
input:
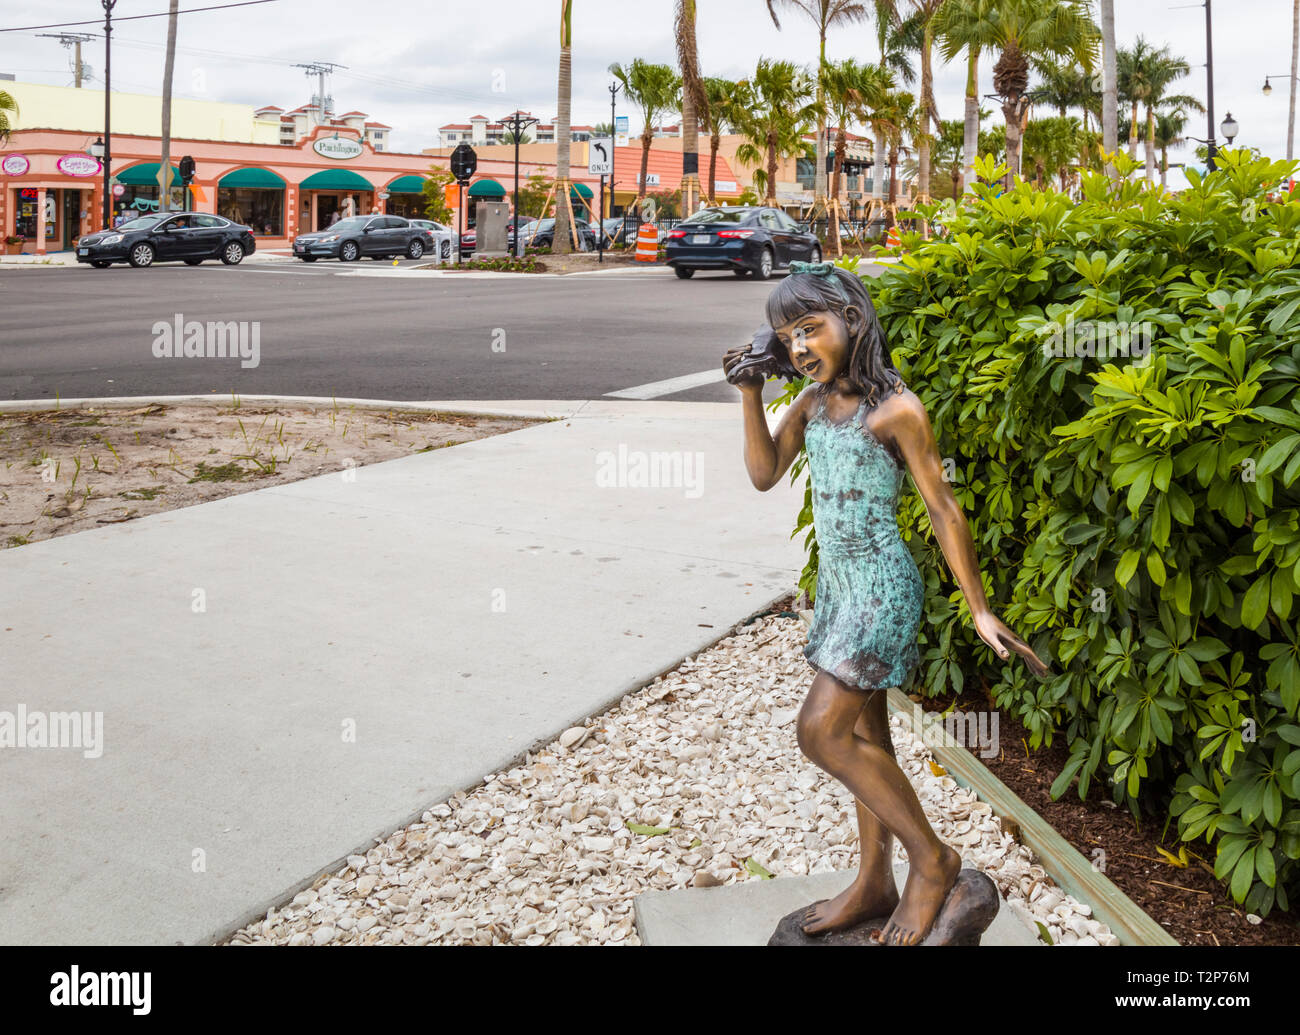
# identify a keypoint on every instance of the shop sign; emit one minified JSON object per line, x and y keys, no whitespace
{"x":118,"y":190}
{"x":338,"y":148}
{"x":15,"y":165}
{"x":79,"y":165}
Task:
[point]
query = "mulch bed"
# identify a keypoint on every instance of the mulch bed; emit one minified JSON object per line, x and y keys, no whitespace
{"x":1188,"y":902}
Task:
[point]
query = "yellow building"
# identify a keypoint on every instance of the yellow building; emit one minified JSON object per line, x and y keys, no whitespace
{"x":68,"y":108}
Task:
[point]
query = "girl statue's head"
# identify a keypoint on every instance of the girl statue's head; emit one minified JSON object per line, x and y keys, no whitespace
{"x":823,"y":317}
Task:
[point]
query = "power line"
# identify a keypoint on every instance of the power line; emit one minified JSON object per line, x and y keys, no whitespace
{"x":138,"y":17}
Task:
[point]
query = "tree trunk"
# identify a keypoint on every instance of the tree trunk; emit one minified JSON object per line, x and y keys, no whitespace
{"x":165,"y":169}
{"x":1110,"y":84}
{"x":890,"y":221}
{"x":562,"y":241}
{"x":647,"y":135}
{"x":878,"y":167}
{"x":1149,"y":146}
{"x":1133,"y":133}
{"x":923,"y":148}
{"x":715,"y":141}
{"x":1164,"y":167}
{"x":841,"y":145}
{"x":1295,"y":54}
{"x":819,"y":173}
{"x":971,"y":129}
{"x":770,"y":200}
{"x":1011,"y":111}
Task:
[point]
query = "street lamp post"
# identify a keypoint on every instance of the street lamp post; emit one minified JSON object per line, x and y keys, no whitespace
{"x":517,"y":124}
{"x":108,"y":132}
{"x":613,"y":148}
{"x":1290,"y":129}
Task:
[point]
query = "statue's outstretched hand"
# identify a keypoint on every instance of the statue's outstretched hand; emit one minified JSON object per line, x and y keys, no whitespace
{"x":995,"y":633}
{"x":735,"y":357}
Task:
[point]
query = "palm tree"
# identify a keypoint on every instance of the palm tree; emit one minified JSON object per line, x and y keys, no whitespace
{"x":656,"y":88}
{"x":1164,"y":69}
{"x":721,"y":94}
{"x":927,"y":110}
{"x":949,"y":152}
{"x":1110,"y":92}
{"x":1052,"y":144}
{"x":773,"y":112}
{"x":851,"y":91}
{"x":898,"y":118}
{"x":897,"y":39}
{"x":562,"y":241}
{"x":169,"y":64}
{"x":1168,"y":133}
{"x":951,"y":26}
{"x":7,"y":104}
{"x":1133,"y":83}
{"x":695,"y":103}
{"x":825,"y":14}
{"x":1026,"y":32}
{"x":1064,"y":87}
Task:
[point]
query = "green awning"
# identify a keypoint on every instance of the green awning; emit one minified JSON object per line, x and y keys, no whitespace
{"x":145,"y":175}
{"x":336,"y":179}
{"x":406,"y":185}
{"x":487,"y":189}
{"x":580,"y":190}
{"x":259,"y":178}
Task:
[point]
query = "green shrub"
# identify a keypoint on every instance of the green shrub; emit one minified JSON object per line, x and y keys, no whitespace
{"x":1136,"y":519}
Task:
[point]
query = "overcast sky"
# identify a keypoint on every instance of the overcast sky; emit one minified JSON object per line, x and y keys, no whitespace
{"x":418,"y":64}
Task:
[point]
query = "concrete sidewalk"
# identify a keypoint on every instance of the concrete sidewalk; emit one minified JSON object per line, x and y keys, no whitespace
{"x":288,"y":673}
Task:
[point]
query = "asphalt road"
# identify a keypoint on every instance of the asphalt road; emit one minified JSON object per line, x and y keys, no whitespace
{"x":371,"y":330}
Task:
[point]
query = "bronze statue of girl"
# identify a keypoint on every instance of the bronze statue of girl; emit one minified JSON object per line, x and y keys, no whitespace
{"x":863,"y":429}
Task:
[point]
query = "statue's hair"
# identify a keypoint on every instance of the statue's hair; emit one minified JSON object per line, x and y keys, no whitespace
{"x":870,"y":369}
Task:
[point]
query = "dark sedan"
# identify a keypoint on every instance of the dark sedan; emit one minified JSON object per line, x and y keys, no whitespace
{"x":743,"y":239}
{"x":380,"y":237}
{"x":188,"y":237}
{"x":541,"y":234}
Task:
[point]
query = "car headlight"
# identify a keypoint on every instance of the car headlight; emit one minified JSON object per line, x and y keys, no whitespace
{"x":327,"y":240}
{"x":110,"y":239}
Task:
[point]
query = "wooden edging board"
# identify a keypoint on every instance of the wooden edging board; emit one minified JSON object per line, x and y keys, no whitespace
{"x":1063,"y":862}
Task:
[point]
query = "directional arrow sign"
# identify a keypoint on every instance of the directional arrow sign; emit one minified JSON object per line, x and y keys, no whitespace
{"x":600,"y":156}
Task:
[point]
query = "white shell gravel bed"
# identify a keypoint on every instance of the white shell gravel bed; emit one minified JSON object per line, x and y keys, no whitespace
{"x":543,"y":854}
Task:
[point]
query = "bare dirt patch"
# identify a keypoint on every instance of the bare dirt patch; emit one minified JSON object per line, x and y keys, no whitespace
{"x":67,"y":470}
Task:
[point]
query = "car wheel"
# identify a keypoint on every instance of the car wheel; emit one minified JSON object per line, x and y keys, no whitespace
{"x":816,"y":255}
{"x":415,"y":249}
{"x":764,"y":265}
{"x":192,"y":262}
{"x":141,"y":255}
{"x":683,"y":273}
{"x":232,"y":254}
{"x":446,"y":249}
{"x":349,"y":252}
{"x":100,"y":264}
{"x":307,"y":258}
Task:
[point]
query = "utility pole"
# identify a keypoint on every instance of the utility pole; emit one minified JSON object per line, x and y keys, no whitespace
{"x":108,"y":128}
{"x":72,"y":39}
{"x":320,"y":69}
{"x":165,"y":168}
{"x":1211,"y":149}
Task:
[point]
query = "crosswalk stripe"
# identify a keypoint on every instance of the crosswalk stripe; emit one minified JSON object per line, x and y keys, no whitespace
{"x":655,"y":389}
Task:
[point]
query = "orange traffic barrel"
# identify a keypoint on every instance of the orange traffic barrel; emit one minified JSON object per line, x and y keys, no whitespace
{"x":892,"y":240}
{"x":647,"y":243}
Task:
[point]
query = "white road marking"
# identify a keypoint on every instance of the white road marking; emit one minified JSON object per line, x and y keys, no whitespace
{"x":655,"y":389}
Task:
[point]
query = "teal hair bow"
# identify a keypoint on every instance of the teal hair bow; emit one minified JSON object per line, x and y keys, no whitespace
{"x":825,"y":270}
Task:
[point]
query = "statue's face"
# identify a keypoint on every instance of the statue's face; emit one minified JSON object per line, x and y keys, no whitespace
{"x":818,"y":344}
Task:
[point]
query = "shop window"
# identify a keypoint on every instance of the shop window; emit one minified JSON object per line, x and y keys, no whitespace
{"x":256,"y":207}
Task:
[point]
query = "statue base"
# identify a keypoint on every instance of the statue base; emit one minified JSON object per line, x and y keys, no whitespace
{"x":968,"y":910}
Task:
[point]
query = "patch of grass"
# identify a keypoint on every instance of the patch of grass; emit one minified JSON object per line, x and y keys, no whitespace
{"x":149,"y":493}
{"x":230,"y":472}
{"x":444,"y":445}
{"x":18,"y":540}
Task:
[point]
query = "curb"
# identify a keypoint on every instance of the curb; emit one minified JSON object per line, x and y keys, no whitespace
{"x":1063,"y":862}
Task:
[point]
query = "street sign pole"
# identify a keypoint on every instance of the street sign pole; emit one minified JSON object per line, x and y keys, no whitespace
{"x":601,"y":222}
{"x":460,"y":218}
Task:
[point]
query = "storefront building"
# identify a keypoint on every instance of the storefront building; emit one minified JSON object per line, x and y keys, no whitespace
{"x":51,"y":190}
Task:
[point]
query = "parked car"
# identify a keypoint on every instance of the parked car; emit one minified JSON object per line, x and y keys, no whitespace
{"x":188,"y":237}
{"x":615,"y":229}
{"x":441,"y":237}
{"x":541,"y":234}
{"x":380,"y":237}
{"x":744,"y":239}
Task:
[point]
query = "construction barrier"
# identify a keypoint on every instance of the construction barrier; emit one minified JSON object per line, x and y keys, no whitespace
{"x":892,"y":240}
{"x":647,"y":243}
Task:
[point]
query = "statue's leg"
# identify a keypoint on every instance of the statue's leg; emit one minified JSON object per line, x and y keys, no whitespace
{"x":872,"y":893}
{"x":825,"y":732}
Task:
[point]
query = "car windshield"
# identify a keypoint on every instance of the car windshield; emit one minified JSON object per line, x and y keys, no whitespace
{"x":732,"y":216}
{"x":140,"y":223}
{"x":349,"y":225}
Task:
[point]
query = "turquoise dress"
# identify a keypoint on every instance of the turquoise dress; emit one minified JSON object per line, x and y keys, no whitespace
{"x":869,"y":592}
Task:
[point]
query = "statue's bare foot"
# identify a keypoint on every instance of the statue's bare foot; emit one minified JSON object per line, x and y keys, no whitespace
{"x":861,"y":900}
{"x":927,"y":886}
